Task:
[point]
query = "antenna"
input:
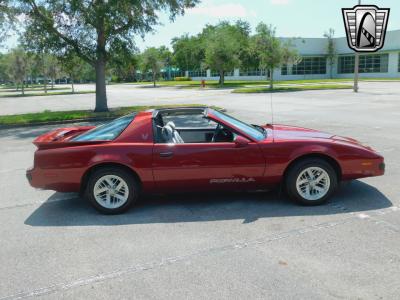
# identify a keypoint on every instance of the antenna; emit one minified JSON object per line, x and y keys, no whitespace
{"x":272,"y":109}
{"x":272,"y":115}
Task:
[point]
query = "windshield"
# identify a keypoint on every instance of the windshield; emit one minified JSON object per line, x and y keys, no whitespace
{"x":107,"y":131}
{"x":256,"y":133}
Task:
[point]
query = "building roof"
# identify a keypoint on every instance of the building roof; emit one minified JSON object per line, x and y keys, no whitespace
{"x":317,"y":46}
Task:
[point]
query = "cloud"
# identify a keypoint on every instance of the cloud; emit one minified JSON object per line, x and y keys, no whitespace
{"x":279,"y":2}
{"x":227,"y":10}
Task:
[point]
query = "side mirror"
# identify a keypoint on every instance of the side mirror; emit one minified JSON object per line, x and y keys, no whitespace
{"x":241,"y":141}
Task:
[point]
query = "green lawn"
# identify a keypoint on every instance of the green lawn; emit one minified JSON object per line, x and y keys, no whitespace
{"x":49,"y":93}
{"x":238,"y":83}
{"x":30,"y":86}
{"x":243,"y":83}
{"x":292,"y":89}
{"x":81,"y":115}
{"x":31,"y":89}
{"x":212,"y":83}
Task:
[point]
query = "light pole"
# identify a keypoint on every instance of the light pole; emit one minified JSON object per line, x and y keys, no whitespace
{"x":356,"y":64}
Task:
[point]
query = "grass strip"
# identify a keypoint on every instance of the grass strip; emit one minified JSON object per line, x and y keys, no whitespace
{"x":82,"y":115}
{"x":34,"y":90}
{"x":44,"y":94}
{"x":292,"y":89}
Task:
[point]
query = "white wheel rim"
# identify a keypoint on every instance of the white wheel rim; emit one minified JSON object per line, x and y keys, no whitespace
{"x":111,"y":191}
{"x":313,"y":183}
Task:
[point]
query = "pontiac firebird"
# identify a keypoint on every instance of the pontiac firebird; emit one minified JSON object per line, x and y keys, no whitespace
{"x":195,"y":149}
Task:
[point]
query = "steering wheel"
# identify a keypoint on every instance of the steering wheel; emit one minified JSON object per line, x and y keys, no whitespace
{"x":218,"y":130}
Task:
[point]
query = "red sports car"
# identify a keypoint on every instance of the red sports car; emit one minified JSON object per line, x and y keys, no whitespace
{"x":195,"y":149}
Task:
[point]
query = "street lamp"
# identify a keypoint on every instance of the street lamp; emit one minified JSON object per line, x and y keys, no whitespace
{"x":356,"y":64}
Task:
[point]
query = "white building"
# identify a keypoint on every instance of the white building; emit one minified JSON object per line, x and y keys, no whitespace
{"x":384,"y":63}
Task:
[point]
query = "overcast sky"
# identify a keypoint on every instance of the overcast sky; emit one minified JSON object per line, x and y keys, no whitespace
{"x":292,"y":18}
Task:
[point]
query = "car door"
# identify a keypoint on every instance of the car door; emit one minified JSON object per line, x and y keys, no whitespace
{"x":179,"y":167}
{"x":207,"y":166}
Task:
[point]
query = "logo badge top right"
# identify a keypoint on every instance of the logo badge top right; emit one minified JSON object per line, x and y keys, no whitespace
{"x":365,"y":27}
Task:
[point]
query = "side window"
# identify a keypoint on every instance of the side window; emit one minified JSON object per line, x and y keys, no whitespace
{"x":184,"y":128}
{"x":107,"y":131}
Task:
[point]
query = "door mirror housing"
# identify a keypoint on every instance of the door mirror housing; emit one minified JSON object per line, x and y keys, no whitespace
{"x":241,"y":141}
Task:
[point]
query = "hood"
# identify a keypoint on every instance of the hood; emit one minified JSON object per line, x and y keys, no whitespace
{"x":286,"y":132}
{"x":293,"y":133}
{"x":60,"y":137}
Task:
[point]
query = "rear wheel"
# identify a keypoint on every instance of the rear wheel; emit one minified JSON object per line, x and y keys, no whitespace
{"x":112,"y":190}
{"x":311,"y":181}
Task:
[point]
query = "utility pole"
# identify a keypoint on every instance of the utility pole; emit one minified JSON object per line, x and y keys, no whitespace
{"x":356,"y":64}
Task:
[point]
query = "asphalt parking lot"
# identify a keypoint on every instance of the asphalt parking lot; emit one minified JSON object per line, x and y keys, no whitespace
{"x":225,"y":246}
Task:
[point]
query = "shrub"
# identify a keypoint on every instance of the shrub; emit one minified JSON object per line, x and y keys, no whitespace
{"x":183,"y":79}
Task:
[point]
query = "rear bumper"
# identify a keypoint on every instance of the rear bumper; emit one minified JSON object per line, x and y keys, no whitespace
{"x":57,"y":180}
{"x":34,"y":179}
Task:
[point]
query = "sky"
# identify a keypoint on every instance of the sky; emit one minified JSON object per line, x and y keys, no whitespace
{"x":292,"y":18}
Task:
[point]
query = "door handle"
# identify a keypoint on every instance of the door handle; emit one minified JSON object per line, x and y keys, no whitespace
{"x":166,"y":154}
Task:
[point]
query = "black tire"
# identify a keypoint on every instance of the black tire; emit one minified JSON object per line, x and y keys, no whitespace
{"x":295,"y":171}
{"x":131,"y":182}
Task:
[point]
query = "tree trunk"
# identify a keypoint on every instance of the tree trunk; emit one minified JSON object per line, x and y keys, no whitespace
{"x":100,"y":66}
{"x":101,"y":96}
{"x":271,"y":79}
{"x":221,"y":78}
{"x":23,"y":88}
{"x":72,"y":85}
{"x":45,"y":84}
{"x":52,"y":84}
{"x":154,"y":79}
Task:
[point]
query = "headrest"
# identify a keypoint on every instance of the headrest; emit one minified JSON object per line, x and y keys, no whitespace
{"x":171,"y":124}
{"x":167,"y":133}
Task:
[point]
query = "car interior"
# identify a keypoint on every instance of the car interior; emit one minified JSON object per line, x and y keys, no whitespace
{"x":189,"y":126}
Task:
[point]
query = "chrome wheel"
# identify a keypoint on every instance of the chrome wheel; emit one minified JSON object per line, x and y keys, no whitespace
{"x":313,"y":183}
{"x":111,"y":191}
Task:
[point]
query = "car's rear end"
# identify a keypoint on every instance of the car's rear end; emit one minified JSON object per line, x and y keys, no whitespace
{"x":53,"y":164}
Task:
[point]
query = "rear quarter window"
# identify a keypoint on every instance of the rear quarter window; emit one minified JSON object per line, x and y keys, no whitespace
{"x":106,"y":132}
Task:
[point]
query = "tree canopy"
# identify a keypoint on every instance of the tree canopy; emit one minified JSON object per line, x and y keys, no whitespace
{"x":224,"y":44}
{"x":271,"y":51}
{"x":152,"y":60}
{"x":94,"y":30}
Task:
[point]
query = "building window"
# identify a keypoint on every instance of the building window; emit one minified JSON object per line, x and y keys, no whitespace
{"x":371,"y":63}
{"x":252,"y":72}
{"x":346,"y":64}
{"x":197,"y":73}
{"x":398,"y":64}
{"x":284,"y":70}
{"x":310,"y":65}
{"x":214,"y":74}
{"x":226,"y":73}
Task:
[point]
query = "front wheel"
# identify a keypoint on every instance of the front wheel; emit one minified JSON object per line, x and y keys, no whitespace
{"x":112,"y":190}
{"x":311,"y":181}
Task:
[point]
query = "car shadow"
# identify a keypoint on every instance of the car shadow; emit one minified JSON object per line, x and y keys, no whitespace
{"x":355,"y":196}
